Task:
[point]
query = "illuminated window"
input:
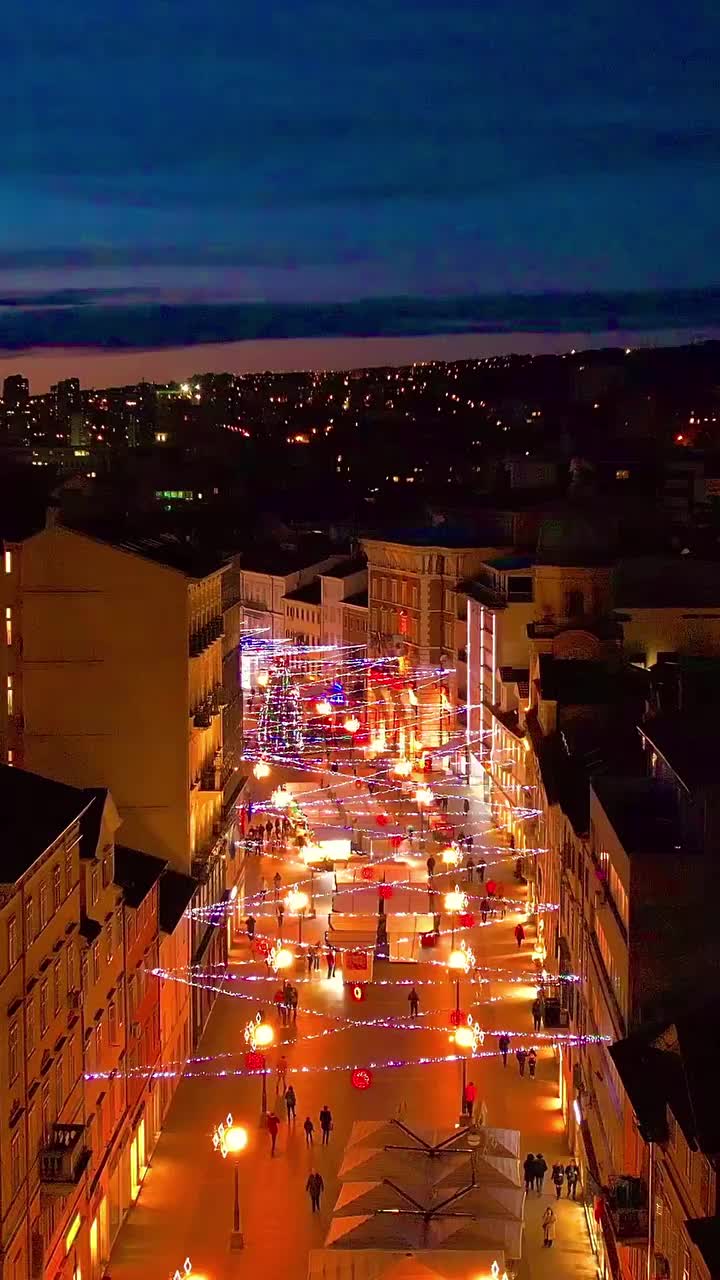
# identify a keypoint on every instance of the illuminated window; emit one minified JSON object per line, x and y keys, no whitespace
{"x":15,"y":1163}
{"x":622,"y":474}
{"x":14,"y":1051}
{"x":8,"y":625}
{"x":56,"y":887}
{"x":12,"y":942}
{"x":43,"y":1007}
{"x":10,"y":756}
{"x":8,"y":561}
{"x":10,"y":697}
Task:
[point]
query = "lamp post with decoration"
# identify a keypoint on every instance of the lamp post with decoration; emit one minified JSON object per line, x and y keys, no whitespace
{"x":259,"y":1035}
{"x":231,"y":1139}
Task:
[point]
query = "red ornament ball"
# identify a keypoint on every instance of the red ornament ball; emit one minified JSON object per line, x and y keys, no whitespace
{"x":457,"y":1018}
{"x":467,"y":919}
{"x":357,"y":992}
{"x":254,"y":1061}
{"x":358,"y":784}
{"x":262,"y":946}
{"x":361,"y":1078}
{"x":396,"y":841}
{"x":368,"y":873}
{"x":386,"y":891}
{"x":382,"y":819}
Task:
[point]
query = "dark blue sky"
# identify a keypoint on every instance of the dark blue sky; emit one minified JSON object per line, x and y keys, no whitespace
{"x":312,"y":149}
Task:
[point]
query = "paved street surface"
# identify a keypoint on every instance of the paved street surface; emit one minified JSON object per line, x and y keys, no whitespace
{"x":185,"y":1206}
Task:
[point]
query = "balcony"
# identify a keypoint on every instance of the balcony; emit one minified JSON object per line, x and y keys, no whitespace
{"x":626,"y":1207}
{"x":63,"y":1159}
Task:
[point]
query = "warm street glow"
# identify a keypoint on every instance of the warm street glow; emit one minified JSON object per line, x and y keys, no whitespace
{"x":236,"y":1139}
{"x":264,"y":1035}
{"x":464,"y":1038}
{"x":450,"y":857}
{"x":296,"y":901}
{"x":280,"y":798}
{"x":229,"y":1139}
{"x":262,"y":769}
{"x":262,"y":679}
{"x":402,"y":768}
{"x":457,"y":960}
{"x":280,"y":958}
{"x":351,"y":725}
{"x":456,"y":900}
{"x":423,"y":796}
{"x":323,"y":707}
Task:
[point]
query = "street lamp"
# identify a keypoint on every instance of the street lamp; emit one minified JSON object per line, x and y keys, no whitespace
{"x":280,"y":958}
{"x":260,"y":1035}
{"x":402,"y":768}
{"x":262,"y":679}
{"x":460,"y":961}
{"x":467,"y":1038}
{"x":450,"y":856}
{"x":423,"y":799}
{"x":455,"y":901}
{"x":323,"y":707}
{"x":230,"y":1140}
{"x":351,"y":725}
{"x":280,"y":798}
{"x":262,"y":769}
{"x":185,"y":1273}
{"x":296,"y":904}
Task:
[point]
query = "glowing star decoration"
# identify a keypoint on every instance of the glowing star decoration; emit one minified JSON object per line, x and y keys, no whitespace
{"x":351,"y":725}
{"x":495,"y":1271}
{"x":262,"y":679}
{"x":469,"y":1036}
{"x":229,"y":1139}
{"x":262,"y":769}
{"x":323,"y":707}
{"x":402,"y":768}
{"x":423,"y":796}
{"x":456,"y":900}
{"x":450,"y":856}
{"x":357,"y":992}
{"x":280,"y":958}
{"x":361,"y":1078}
{"x":186,"y":1267}
{"x":258,"y":1034}
{"x":280,"y":798}
{"x":296,"y":902}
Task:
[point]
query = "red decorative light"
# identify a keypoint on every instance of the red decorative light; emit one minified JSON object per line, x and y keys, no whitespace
{"x":262,"y":946}
{"x":357,"y":992}
{"x":467,"y":919}
{"x":386,"y":891}
{"x":254,"y":1061}
{"x":396,"y":841}
{"x":361,"y":1078}
{"x":382,"y":819}
{"x":368,"y":873}
{"x":457,"y":1018}
{"x":358,"y":784}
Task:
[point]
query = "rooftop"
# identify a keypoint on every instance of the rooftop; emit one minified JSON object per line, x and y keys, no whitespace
{"x":507,"y":563}
{"x":688,"y":744}
{"x":360,"y":599}
{"x":34,"y":813}
{"x":310,"y":594}
{"x":176,"y":891}
{"x":643,"y":813}
{"x":345,"y":568}
{"x":666,"y":582}
{"x":587,"y":682}
{"x":136,"y":873}
{"x":165,"y":549}
{"x":280,"y":560}
{"x":435,"y":536}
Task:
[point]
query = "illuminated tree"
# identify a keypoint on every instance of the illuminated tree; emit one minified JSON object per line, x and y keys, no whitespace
{"x":280,"y":720}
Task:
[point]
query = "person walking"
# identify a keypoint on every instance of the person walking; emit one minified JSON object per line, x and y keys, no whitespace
{"x":315,"y":1186}
{"x":482,"y":868}
{"x":326,"y":1124}
{"x":469,"y":1096}
{"x":537,"y":1012}
{"x":414,"y":1002}
{"x":273,"y":1126}
{"x":572,"y":1177}
{"x":548,"y":1226}
{"x":290,"y":1102}
{"x":529,"y":1172}
{"x":521,"y":1055}
{"x":293,"y":1004}
{"x":504,"y":1046}
{"x":491,"y":887}
{"x":540,"y":1171}
{"x":279,"y":1002}
{"x":277,"y":881}
{"x":316,"y":956}
{"x":532,"y":1063}
{"x":280,"y":913}
{"x":484,"y":908}
{"x":430,"y":864}
{"x":330,"y":959}
{"x":282,"y":1067}
{"x":309,"y":1128}
{"x":250,"y":927}
{"x":466,"y":806}
{"x":470,"y":865}
{"x":558,"y":1177}
{"x":519,"y":935}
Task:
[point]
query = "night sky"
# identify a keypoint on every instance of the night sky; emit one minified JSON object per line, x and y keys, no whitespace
{"x":300,"y":150}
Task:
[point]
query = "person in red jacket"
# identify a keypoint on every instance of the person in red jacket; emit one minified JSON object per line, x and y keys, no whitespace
{"x":469,"y":1097}
{"x":273,"y":1125}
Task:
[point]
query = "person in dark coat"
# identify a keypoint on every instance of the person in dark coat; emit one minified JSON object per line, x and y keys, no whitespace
{"x":309,"y":1128}
{"x":484,"y":908}
{"x":326,"y":1124}
{"x":572,"y":1177}
{"x":504,"y":1046}
{"x":315,"y":1186}
{"x":519,"y":934}
{"x":540,"y":1171}
{"x":537,"y":1013}
{"x":482,"y":868}
{"x":532,"y":1063}
{"x":529,"y":1171}
{"x":430,"y":864}
{"x":290,"y":1102}
{"x":414,"y":1002}
{"x":273,"y":1125}
{"x":521,"y":1055}
{"x":558,"y":1177}
{"x":250,"y":927}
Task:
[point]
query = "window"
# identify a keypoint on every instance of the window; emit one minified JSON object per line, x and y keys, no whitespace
{"x":56,"y":987}
{"x":43,"y":1007}
{"x":8,"y":625}
{"x":12,"y":942}
{"x":59,"y":1085}
{"x":84,"y":970}
{"x":705,"y":1184}
{"x":109,"y":940}
{"x":96,"y":960}
{"x":14,"y":1051}
{"x":686,"y":1270}
{"x":107,"y":870}
{"x":688,"y":1163}
{"x":98,"y":1043}
{"x":30,"y":1024}
{"x":10,"y":756}
{"x":8,"y":561}
{"x":15,"y":1158}
{"x":69,"y":879}
{"x":94,"y":884}
{"x":10,"y":695}
{"x":56,"y":887}
{"x":45,"y":1110}
{"x":43,"y":905}
{"x":672,"y":1129}
{"x":113,"y":1022}
{"x":29,"y":920}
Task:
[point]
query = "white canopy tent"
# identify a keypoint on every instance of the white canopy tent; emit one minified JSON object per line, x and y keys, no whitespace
{"x":415,"y":1169}
{"x":395,"y":1133}
{"x":388,"y":1264}
{"x":393,"y":1229}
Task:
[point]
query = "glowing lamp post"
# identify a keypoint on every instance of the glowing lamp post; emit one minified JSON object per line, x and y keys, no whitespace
{"x":455,"y":901}
{"x":280,"y":798}
{"x":262,"y":769}
{"x":280,"y":958}
{"x":402,"y":768}
{"x":260,"y":1035}
{"x":230,"y":1139}
{"x":467,"y":1038}
{"x":185,"y":1273}
{"x":460,"y":961}
{"x":296,"y":904}
{"x":450,"y":856}
{"x":323,"y":707}
{"x":262,"y":679}
{"x":423,"y":799}
{"x":351,"y":725}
